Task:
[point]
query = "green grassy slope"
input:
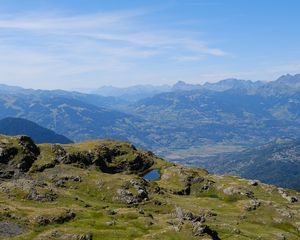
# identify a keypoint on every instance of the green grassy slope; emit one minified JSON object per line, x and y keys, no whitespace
{"x":95,"y":190}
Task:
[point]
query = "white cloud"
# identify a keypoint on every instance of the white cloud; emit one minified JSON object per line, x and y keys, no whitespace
{"x":56,"y":46}
{"x":54,"y":21}
{"x":115,"y":26}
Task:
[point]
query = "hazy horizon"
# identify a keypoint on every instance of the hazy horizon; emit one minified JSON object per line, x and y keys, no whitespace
{"x":78,"y":45}
{"x":89,"y":90}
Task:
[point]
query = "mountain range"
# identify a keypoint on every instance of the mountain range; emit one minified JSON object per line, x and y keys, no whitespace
{"x":186,"y":123}
{"x":68,"y":113}
{"x":133,"y":93}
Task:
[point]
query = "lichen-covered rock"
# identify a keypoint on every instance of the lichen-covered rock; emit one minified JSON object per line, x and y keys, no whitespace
{"x":61,"y":181}
{"x":17,"y":156}
{"x":297,"y":224}
{"x":59,"y":152}
{"x":253,"y":204}
{"x":58,"y":218}
{"x":284,"y":212}
{"x":280,"y":236}
{"x":41,"y":196}
{"x":36,"y":190}
{"x":10,"y":229}
{"x":239,"y":191}
{"x":184,"y":215}
{"x":126,"y":196}
{"x":199,"y":229}
{"x":28,"y":145}
{"x":134,"y":191}
{"x":58,"y":235}
{"x":285,"y":195}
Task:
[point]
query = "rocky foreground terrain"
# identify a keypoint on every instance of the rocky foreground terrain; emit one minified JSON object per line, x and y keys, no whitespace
{"x":96,"y":190}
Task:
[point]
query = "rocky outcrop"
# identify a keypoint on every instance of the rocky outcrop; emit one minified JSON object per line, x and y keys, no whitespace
{"x":59,"y":151}
{"x":183,"y":215}
{"x":7,"y":153}
{"x":27,"y":153}
{"x":187,"y":182}
{"x":133,"y":192}
{"x":287,"y":196}
{"x":65,"y":236}
{"x":116,"y":159}
{"x":232,"y":190}
{"x":197,"y":221}
{"x":107,"y":158}
{"x":253,"y":204}
{"x":126,"y":196}
{"x":10,"y":229}
{"x":81,"y":159}
{"x":61,"y":181}
{"x":18,"y":156}
{"x":36,"y":190}
{"x":41,"y":196}
{"x":60,"y":218}
{"x":28,"y":145}
{"x":200,"y":229}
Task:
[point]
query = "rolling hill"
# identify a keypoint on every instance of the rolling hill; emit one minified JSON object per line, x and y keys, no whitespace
{"x":98,"y":190}
{"x":19,"y":126}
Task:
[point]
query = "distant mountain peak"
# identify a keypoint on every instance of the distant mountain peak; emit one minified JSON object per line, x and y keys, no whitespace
{"x":132,"y":93}
{"x":183,"y":86}
{"x":180,"y":83}
{"x":289,"y":79}
{"x":232,"y":83}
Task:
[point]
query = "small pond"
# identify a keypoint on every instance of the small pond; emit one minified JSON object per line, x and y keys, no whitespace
{"x":152,"y":175}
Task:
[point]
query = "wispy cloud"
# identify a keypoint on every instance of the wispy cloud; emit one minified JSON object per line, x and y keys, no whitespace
{"x":57,"y":45}
{"x":189,"y":58}
{"x":55,"y":21}
{"x":119,"y":26}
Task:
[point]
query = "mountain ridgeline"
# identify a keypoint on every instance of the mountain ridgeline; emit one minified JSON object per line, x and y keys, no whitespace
{"x":19,"y":126}
{"x":96,"y":190}
{"x":186,"y":123}
{"x":69,"y":114}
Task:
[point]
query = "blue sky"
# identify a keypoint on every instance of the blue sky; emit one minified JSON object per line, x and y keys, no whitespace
{"x":86,"y":44}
